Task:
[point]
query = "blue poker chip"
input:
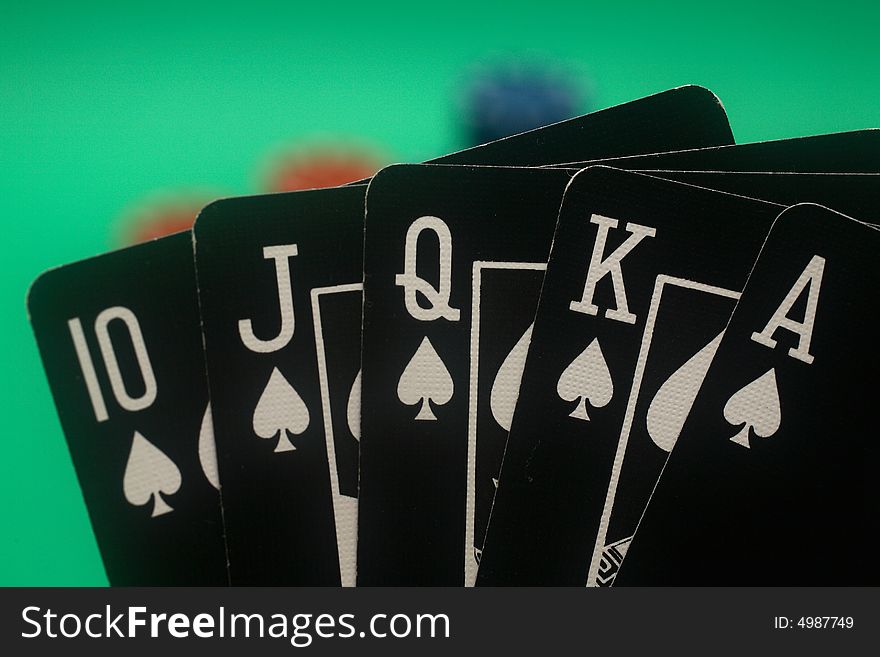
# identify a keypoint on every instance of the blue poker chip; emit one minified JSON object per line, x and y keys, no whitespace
{"x":513,"y":99}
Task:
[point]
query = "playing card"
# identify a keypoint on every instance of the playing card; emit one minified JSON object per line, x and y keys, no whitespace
{"x":120,"y":341}
{"x":772,"y":481}
{"x":857,"y":195}
{"x":857,"y":151}
{"x":453,"y":262}
{"x":271,"y":269}
{"x":632,"y":254}
{"x":682,"y":118}
{"x":280,"y":291}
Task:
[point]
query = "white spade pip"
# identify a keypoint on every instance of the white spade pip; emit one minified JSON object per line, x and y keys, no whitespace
{"x":505,"y":388}
{"x":586,"y":379}
{"x":675,"y":398}
{"x":208,"y":450}
{"x":280,"y":410}
{"x":755,"y":406}
{"x":149,"y":474}
{"x":353,"y":408}
{"x":425,"y":379}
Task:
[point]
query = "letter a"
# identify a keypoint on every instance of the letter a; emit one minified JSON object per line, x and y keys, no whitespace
{"x":812,"y":277}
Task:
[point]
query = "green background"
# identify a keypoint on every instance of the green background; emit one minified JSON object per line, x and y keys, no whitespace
{"x":102,"y":106}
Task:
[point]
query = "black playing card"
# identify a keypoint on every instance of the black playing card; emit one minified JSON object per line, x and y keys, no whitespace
{"x":684,"y":117}
{"x":857,"y":195}
{"x":120,"y":341}
{"x":847,"y":152}
{"x":773,"y":480}
{"x":301,"y":502}
{"x":257,"y":290}
{"x":453,"y":261}
{"x":630,"y":254}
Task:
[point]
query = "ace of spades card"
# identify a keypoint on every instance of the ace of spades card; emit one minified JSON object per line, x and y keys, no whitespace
{"x":773,"y":481}
{"x":280,"y":290}
{"x":641,"y":280}
{"x":120,"y":341}
{"x":453,"y":262}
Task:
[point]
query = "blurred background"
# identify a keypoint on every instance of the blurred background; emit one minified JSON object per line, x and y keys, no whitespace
{"x":118,"y":121}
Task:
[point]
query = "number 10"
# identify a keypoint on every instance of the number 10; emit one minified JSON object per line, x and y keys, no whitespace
{"x":111,"y":364}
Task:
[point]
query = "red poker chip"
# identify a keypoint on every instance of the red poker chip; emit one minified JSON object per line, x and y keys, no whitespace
{"x":163,"y":217}
{"x":320,"y":168}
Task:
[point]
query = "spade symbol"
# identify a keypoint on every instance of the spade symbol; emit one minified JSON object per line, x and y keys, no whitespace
{"x":280,"y":410}
{"x":353,"y":410}
{"x":755,"y":406}
{"x":505,"y":389}
{"x":425,"y":379}
{"x":149,"y":474}
{"x":586,"y":379}
{"x":675,"y":398}
{"x":207,"y":449}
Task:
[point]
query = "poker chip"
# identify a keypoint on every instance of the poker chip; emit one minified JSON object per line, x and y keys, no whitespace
{"x":163,"y":216}
{"x":512,"y":98}
{"x":319,"y":167}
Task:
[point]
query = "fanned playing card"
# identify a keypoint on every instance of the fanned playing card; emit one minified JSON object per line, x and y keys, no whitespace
{"x":857,"y":195}
{"x":857,"y":151}
{"x":773,"y":480}
{"x":120,"y":341}
{"x":453,"y":262}
{"x":280,"y":292}
{"x":641,"y":280}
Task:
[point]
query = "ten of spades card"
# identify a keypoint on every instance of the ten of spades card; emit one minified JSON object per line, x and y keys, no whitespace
{"x":120,"y":341}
